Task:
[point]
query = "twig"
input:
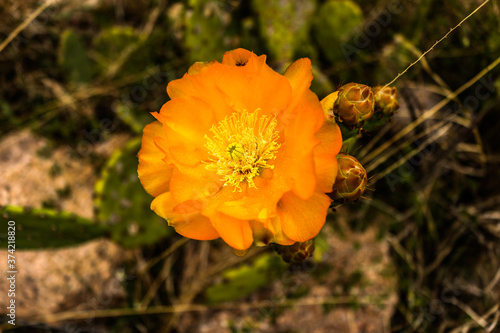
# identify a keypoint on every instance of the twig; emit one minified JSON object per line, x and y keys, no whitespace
{"x":436,"y":43}
{"x":153,"y":288}
{"x":468,"y":310}
{"x":393,"y":151}
{"x":182,"y":308}
{"x":411,"y":154}
{"x":25,"y":23}
{"x":429,"y":113}
{"x":164,"y":254}
{"x":493,"y":310}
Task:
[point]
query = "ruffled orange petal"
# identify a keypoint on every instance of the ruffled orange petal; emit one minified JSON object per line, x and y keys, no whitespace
{"x":302,"y":220}
{"x":240,"y":57}
{"x":202,"y":85}
{"x":185,"y":218}
{"x":325,"y":156}
{"x":187,"y":120}
{"x":326,"y":171}
{"x":194,"y":183}
{"x":300,"y":76}
{"x":236,"y":233}
{"x":255,"y":86}
{"x":231,"y":88}
{"x":299,"y":144}
{"x":331,"y":138}
{"x":154,"y":173}
{"x":257,"y":203}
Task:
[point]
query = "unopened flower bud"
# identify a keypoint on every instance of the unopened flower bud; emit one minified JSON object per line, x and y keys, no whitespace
{"x":355,"y":104}
{"x":297,"y":252}
{"x":351,"y":180}
{"x":386,"y":100}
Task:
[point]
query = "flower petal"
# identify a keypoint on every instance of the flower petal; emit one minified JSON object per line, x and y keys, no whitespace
{"x":300,"y":76}
{"x":153,"y":172}
{"x":187,"y":120}
{"x":231,"y":88}
{"x":240,"y":57}
{"x":325,"y":156}
{"x":236,"y":233}
{"x":326,"y":171}
{"x":299,"y":144}
{"x":194,"y":183}
{"x":302,"y":220}
{"x":256,"y":203}
{"x":202,"y":85}
{"x":331,"y":138}
{"x":255,"y":86}
{"x":185,"y":218}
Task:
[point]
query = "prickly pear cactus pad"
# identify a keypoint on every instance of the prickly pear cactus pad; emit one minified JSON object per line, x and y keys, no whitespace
{"x":41,"y":228}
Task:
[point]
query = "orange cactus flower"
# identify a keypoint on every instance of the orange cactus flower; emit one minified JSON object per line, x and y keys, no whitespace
{"x":242,"y":153}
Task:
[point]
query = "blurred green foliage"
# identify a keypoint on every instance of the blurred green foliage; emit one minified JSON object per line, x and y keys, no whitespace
{"x":73,"y":58}
{"x":285,"y":27}
{"x":335,"y":23}
{"x":206,"y":24}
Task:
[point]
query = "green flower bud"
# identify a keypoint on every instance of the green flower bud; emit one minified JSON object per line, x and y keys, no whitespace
{"x":297,"y":252}
{"x":354,"y":105}
{"x":351,"y":180}
{"x":386,"y":100}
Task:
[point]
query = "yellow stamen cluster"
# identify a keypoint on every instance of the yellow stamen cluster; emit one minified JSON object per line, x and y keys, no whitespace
{"x":242,"y":145}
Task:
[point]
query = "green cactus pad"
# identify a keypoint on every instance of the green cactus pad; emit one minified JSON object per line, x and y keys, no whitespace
{"x":285,"y":26}
{"x":206,"y":34}
{"x":73,"y":58}
{"x":113,"y":42}
{"x":243,"y":280}
{"x":335,"y":23}
{"x":42,"y":228}
{"x":122,"y":204}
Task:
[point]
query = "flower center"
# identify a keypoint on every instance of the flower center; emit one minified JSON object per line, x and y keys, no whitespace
{"x":242,"y":145}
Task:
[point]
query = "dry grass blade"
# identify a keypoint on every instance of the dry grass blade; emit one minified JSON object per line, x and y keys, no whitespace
{"x":442,"y":131}
{"x":402,"y":252}
{"x":153,"y":288}
{"x":25,"y":23}
{"x":436,"y":43}
{"x":182,"y":308}
{"x":429,"y":113}
{"x":493,"y":283}
{"x":402,"y":145}
{"x":171,"y":249}
{"x":425,"y":64}
{"x":468,"y":325}
{"x":476,"y":319}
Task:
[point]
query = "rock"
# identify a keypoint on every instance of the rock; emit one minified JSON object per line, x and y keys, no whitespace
{"x":86,"y":277}
{"x":34,"y":173}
